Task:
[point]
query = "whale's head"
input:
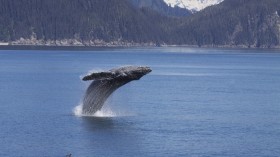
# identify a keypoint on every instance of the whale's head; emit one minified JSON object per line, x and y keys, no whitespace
{"x":122,"y":73}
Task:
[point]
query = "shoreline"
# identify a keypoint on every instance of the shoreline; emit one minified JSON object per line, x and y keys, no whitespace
{"x":99,"y":47}
{"x":33,"y":43}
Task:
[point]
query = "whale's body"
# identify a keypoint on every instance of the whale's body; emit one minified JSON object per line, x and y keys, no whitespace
{"x":105,"y":83}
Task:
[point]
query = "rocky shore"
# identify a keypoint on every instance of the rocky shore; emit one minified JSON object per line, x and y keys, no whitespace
{"x":102,"y":43}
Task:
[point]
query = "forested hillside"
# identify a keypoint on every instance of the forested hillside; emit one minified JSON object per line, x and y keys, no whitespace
{"x":247,"y":23}
{"x":84,"y":20}
{"x":232,"y":23}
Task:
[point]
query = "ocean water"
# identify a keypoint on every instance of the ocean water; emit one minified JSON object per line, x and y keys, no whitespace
{"x":195,"y":102}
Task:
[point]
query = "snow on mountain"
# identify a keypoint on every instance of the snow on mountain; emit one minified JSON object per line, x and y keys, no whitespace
{"x":193,"y":5}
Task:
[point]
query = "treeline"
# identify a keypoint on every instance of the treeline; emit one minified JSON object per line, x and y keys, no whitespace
{"x":83,"y":19}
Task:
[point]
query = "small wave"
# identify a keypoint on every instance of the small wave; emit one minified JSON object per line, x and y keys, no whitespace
{"x":184,"y":74}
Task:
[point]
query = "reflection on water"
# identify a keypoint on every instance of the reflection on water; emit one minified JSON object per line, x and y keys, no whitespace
{"x":98,"y":123}
{"x":107,"y":135}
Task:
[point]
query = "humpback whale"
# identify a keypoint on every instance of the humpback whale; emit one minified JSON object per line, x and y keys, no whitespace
{"x":106,"y":82}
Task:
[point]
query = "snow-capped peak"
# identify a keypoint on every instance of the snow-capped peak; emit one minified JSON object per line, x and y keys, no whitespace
{"x":193,"y":5}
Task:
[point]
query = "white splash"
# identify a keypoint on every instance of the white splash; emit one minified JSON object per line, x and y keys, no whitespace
{"x":78,"y":110}
{"x":104,"y":112}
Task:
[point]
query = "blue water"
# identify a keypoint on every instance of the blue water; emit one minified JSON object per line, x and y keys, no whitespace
{"x":196,"y":102}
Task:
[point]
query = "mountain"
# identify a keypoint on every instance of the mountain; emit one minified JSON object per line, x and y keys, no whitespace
{"x":235,"y":23}
{"x":231,"y":23}
{"x":193,"y":5}
{"x":161,"y":7}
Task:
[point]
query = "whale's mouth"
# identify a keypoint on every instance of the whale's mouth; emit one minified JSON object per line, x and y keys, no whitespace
{"x":106,"y":82}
